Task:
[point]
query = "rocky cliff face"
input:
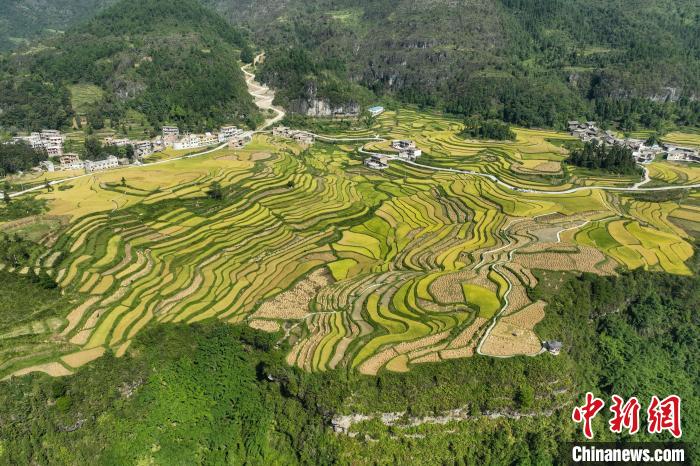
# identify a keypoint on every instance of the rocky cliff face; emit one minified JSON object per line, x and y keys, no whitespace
{"x":323,"y":108}
{"x":314,"y":106}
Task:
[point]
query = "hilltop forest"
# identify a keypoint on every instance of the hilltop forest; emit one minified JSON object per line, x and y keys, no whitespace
{"x":172,"y":61}
{"x":532,"y":63}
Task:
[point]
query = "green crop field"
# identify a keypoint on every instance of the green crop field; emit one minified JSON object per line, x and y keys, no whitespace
{"x":360,"y":269}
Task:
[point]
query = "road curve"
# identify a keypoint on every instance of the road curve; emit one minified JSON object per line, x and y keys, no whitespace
{"x":262,"y":95}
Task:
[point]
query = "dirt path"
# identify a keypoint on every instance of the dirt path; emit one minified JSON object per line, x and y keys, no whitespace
{"x":262,"y":95}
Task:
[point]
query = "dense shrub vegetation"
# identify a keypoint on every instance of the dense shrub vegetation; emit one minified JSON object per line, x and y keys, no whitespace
{"x":19,"y":157}
{"x":477,"y":128}
{"x":612,"y":158}
{"x":527,"y":63}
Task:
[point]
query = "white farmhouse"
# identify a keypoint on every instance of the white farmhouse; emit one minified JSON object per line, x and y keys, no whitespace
{"x":410,"y":154}
{"x":377,"y":162}
{"x":228,"y":132}
{"x":98,"y":165}
{"x":403,"y":145}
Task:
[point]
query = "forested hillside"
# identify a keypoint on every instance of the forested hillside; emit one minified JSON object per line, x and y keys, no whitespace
{"x":172,"y":61}
{"x":635,"y":62}
{"x":24,"y":20}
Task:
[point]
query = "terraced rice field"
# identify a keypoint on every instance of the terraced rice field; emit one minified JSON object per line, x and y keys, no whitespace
{"x":355,"y":268}
{"x":675,"y":172}
{"x":683,"y":138}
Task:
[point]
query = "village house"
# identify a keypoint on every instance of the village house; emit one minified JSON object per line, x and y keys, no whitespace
{"x":121,"y":142}
{"x":228,"y":132}
{"x":302,"y":137}
{"x":170,"y":135}
{"x":645,"y":154}
{"x":682,"y":154}
{"x":98,"y":165}
{"x":170,"y":131}
{"x":209,"y":139}
{"x":376,"y":110}
{"x":143,"y":148}
{"x":553,"y":346}
{"x":410,"y":154}
{"x":403,"y":145}
{"x":157,"y":144}
{"x":189,"y":141}
{"x":282,"y":132}
{"x":34,"y":140}
{"x":239,"y":141}
{"x":71,"y":162}
{"x":377,"y":162}
{"x":50,"y":140}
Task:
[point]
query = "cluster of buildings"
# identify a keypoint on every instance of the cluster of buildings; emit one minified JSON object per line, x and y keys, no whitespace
{"x":407,"y":150}
{"x":302,"y":137}
{"x":141,"y":148}
{"x":589,"y":132}
{"x":73,"y":162}
{"x":50,"y":140}
{"x":235,"y":137}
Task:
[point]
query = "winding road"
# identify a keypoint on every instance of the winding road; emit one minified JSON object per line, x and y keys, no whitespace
{"x":262,"y":95}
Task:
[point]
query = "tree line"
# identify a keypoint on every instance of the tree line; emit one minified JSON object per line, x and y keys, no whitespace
{"x":613,"y":158}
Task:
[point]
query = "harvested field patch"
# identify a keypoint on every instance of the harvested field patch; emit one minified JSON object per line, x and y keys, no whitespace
{"x":83,"y":357}
{"x":293,"y":304}
{"x":465,"y":337}
{"x":513,"y":335}
{"x":264,"y":325}
{"x":53,"y":369}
